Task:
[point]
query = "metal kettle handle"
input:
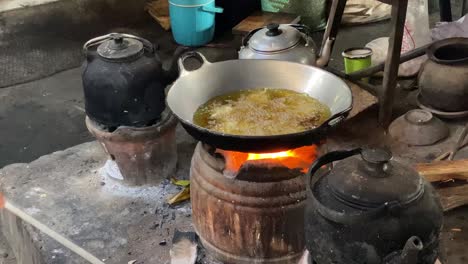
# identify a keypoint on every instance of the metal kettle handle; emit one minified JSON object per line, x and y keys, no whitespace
{"x":302,"y":28}
{"x":332,"y":215}
{"x":308,"y":33}
{"x":245,"y":40}
{"x":329,"y":158}
{"x":98,"y":40}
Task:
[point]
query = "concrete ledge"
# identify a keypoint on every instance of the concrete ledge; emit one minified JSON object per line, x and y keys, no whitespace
{"x":66,"y":191}
{"x":22,"y":244}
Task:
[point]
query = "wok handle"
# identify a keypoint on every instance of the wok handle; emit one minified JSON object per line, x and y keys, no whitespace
{"x":191,"y":54}
{"x":336,"y":119}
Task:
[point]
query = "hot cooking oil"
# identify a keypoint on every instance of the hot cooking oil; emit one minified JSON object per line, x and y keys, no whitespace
{"x":262,"y":112}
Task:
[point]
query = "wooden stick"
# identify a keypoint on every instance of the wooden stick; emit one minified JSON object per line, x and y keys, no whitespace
{"x":444,"y":170}
{"x":461,"y":139}
{"x":412,"y":54}
{"x":333,"y":24}
{"x":59,"y":238}
{"x":393,"y":62}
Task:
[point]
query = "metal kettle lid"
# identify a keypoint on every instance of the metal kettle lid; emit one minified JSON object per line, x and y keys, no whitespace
{"x":373,"y":180}
{"x":275,"y":37}
{"x":118,"y":47}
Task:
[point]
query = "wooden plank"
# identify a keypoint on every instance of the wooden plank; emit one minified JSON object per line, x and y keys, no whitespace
{"x":453,"y":197}
{"x":450,"y":197}
{"x":159,"y":10}
{"x":260,"y":19}
{"x":444,"y":170}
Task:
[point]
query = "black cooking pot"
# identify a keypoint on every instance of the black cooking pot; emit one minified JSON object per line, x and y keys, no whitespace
{"x":371,"y":210}
{"x":123,"y":81}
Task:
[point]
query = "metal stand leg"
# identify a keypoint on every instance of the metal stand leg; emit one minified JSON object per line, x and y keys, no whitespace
{"x":393,"y":61}
{"x":463,"y":8}
{"x":445,"y":9}
{"x":334,"y":21}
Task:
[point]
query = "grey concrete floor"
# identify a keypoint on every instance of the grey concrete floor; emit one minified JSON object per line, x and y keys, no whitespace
{"x":41,"y":117}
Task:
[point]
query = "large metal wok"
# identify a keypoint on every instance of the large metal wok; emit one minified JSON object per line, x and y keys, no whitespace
{"x":194,"y":88}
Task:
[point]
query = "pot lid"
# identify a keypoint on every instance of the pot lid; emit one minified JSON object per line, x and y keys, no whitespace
{"x":373,"y":180}
{"x":119,"y":47}
{"x":274,"y":37}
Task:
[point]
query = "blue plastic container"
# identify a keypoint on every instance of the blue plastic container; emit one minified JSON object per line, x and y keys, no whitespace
{"x":193,"y":21}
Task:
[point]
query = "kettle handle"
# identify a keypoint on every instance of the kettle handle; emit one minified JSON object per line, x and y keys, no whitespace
{"x":302,"y":28}
{"x":98,"y":40}
{"x":306,"y":30}
{"x":329,"y":158}
{"x":245,"y":40}
{"x":332,"y":215}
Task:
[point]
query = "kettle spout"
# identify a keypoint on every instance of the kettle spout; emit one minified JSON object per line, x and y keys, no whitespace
{"x":172,"y":73}
{"x":322,"y":61}
{"x":410,"y":252}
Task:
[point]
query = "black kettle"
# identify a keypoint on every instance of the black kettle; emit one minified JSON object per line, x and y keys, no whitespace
{"x":123,"y":81}
{"x":370,"y":210}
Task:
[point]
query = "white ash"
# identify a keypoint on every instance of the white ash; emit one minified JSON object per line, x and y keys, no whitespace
{"x":109,"y":174}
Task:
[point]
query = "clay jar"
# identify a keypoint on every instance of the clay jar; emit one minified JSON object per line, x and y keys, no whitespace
{"x":443,"y":79}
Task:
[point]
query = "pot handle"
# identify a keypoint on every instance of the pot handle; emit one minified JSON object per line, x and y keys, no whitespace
{"x":191,"y":54}
{"x":332,"y":215}
{"x":95,"y":41}
{"x":212,"y":9}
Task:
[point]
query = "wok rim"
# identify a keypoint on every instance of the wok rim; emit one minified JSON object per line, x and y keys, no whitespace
{"x":325,"y":125}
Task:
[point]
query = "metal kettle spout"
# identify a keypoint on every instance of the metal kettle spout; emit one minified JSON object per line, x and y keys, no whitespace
{"x":324,"y":56}
{"x":410,"y":252}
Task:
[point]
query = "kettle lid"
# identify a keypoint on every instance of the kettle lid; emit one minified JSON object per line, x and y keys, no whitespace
{"x":275,"y":37}
{"x":373,"y":180}
{"x":118,"y":47}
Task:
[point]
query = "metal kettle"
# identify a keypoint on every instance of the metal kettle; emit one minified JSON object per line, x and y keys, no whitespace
{"x":124,"y":81}
{"x":371,"y":209}
{"x":288,"y":42}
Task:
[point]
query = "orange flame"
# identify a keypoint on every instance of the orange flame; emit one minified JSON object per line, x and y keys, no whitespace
{"x":260,"y":156}
{"x":300,"y":158}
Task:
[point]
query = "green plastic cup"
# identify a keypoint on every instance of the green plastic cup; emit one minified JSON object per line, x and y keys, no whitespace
{"x":356,"y":59}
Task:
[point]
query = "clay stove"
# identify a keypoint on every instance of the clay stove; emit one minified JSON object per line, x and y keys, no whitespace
{"x":144,"y":155}
{"x":249,"y":208}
